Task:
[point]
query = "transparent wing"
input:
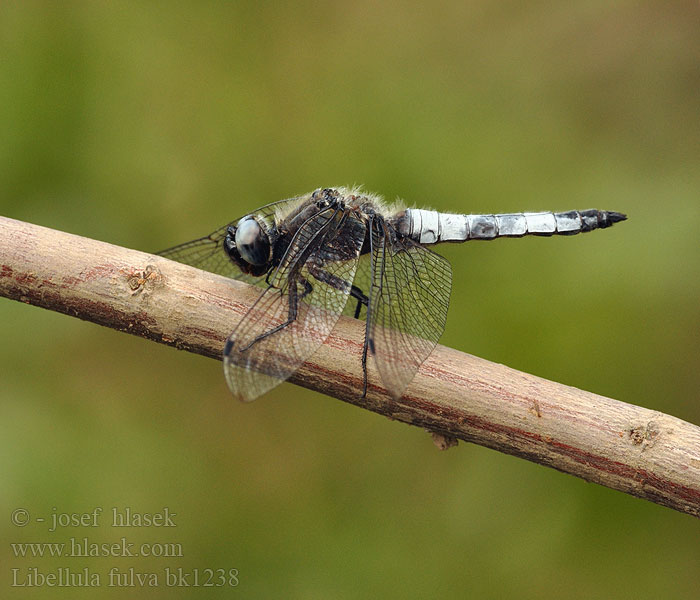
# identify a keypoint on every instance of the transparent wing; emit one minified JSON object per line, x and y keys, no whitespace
{"x":207,"y":253}
{"x":288,"y":323}
{"x":410,"y":294}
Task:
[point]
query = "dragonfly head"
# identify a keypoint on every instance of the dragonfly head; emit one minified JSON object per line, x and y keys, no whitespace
{"x":248,"y":245}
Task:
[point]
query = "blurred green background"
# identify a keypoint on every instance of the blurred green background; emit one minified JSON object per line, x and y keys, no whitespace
{"x":148,"y":124}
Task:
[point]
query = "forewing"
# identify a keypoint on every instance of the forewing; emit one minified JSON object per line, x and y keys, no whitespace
{"x":207,"y":253}
{"x":256,"y":360}
{"x":408,"y":305}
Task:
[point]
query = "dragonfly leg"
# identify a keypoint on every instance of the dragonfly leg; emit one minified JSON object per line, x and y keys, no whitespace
{"x":368,"y":343}
{"x":362,"y":299}
{"x":294,"y":298}
{"x":341,"y":284}
{"x":367,"y":346}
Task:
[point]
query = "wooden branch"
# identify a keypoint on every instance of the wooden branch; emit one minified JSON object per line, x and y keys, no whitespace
{"x":632,"y":449}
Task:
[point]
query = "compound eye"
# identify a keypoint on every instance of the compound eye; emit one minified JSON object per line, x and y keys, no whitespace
{"x":252,"y":242}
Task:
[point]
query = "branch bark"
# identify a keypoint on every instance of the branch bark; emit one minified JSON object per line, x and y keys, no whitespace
{"x":639,"y":451}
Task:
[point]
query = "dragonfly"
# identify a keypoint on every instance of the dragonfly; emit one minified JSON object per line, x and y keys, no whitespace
{"x":341,"y":251}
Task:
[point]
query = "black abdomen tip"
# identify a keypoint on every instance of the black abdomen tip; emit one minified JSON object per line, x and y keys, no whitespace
{"x":599,"y":219}
{"x":615,"y":217}
{"x":607,"y":218}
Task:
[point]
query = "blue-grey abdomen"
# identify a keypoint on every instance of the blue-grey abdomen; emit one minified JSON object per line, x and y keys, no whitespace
{"x":432,"y":227}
